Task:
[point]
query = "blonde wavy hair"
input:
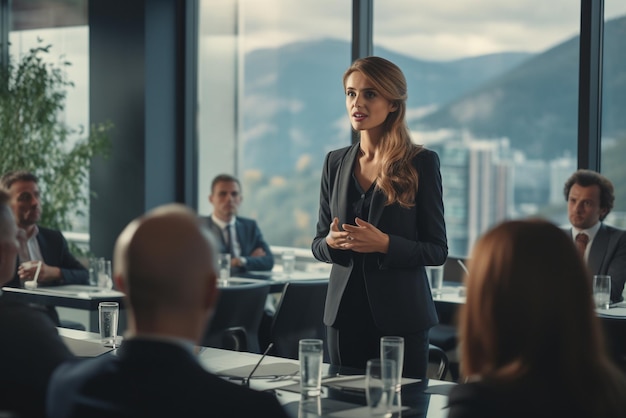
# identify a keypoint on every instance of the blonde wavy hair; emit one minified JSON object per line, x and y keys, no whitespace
{"x":397,"y":177}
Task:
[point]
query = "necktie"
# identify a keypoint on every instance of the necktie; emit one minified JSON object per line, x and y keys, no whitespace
{"x":229,"y":241}
{"x":581,"y":243}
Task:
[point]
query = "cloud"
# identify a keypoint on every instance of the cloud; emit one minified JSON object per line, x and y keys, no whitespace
{"x":421,"y":28}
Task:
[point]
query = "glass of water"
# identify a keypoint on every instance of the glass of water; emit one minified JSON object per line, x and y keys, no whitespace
{"x":311,"y":354}
{"x":380,"y":384}
{"x":602,"y":291}
{"x":109,"y":316}
{"x":289,"y":262}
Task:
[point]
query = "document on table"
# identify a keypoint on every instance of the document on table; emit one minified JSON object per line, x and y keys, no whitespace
{"x":85,"y":348}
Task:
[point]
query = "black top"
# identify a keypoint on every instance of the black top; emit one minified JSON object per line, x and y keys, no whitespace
{"x":536,"y":399}
{"x":31,"y":349}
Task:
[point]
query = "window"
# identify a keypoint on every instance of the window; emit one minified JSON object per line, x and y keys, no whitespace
{"x":271,"y":105}
{"x":493,"y":88}
{"x":63,"y":25}
{"x":613,"y":105}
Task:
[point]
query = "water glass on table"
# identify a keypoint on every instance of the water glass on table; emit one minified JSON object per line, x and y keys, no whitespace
{"x":224,"y":266}
{"x":289,"y":262}
{"x":435,"y":279}
{"x":392,"y":348}
{"x":380,"y":383}
{"x":602,"y":291}
{"x":310,"y":354}
{"x":109,"y":316}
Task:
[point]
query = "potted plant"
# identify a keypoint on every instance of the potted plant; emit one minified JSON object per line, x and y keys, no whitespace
{"x":34,"y":137}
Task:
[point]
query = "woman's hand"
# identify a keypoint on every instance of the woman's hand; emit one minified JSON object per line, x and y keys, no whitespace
{"x":365,"y":238}
{"x":337,"y":239}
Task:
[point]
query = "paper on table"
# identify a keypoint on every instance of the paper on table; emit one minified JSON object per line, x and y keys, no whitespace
{"x":356,"y":382}
{"x":362,"y":411}
{"x":264,"y":370}
{"x":82,"y":348}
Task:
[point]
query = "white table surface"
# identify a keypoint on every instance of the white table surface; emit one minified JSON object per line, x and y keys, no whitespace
{"x":217,"y":360}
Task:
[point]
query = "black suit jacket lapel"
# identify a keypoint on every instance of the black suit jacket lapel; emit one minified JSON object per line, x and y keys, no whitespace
{"x":342,"y":183}
{"x":598,"y":249}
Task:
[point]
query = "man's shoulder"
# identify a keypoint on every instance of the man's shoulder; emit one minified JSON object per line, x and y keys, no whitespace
{"x":245,"y":221}
{"x":49,"y":232}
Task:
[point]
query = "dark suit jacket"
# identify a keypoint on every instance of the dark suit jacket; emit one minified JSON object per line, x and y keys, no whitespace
{"x":396,"y":282}
{"x":55,"y":252}
{"x":538,"y":399}
{"x":607,"y":255}
{"x":150,"y":378}
{"x":249,"y":237}
{"x":31,"y":349}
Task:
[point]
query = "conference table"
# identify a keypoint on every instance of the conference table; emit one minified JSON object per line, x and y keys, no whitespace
{"x":82,"y":297}
{"x":87,"y":298}
{"x":613,"y":320}
{"x":343,"y":394}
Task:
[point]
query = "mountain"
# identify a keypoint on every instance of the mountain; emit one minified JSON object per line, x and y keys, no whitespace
{"x":294,"y":101}
{"x":535,"y":104}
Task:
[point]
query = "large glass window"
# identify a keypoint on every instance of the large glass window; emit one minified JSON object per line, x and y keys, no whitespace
{"x":63,"y":26}
{"x":493,"y":88}
{"x":613,"y":106}
{"x":271,"y":105}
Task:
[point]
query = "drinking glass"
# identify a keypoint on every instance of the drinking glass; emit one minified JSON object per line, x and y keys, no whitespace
{"x":602,"y":291}
{"x":435,"y":278}
{"x":104,"y":274}
{"x":108,"y":315}
{"x":224,"y":265}
{"x":380,"y":383}
{"x":310,"y":354}
{"x":392,"y":348}
{"x":289,"y":262}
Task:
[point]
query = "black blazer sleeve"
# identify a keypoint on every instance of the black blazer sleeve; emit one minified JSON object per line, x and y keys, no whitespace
{"x":55,"y":252}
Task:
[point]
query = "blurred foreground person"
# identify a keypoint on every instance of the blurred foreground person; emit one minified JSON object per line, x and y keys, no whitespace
{"x":531,"y":344}
{"x":165,"y":264}
{"x":31,"y":347}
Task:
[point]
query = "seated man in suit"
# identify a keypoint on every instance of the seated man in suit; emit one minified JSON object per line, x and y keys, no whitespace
{"x":590,"y":197}
{"x":241,"y":237}
{"x":170,"y":287}
{"x":31,"y":347}
{"x":36,"y":242}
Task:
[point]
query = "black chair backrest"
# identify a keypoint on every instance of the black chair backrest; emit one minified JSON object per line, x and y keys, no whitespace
{"x":239,"y":307}
{"x":453,"y":271}
{"x":439,"y":360}
{"x":299,"y":315}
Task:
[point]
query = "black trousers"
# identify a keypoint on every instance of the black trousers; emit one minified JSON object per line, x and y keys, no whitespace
{"x":351,"y":347}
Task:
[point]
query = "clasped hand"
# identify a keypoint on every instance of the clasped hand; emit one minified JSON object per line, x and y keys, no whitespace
{"x":362,"y":237}
{"x":26,"y":272}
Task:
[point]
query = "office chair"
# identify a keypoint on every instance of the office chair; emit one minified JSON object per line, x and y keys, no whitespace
{"x":235,"y":322}
{"x":438,"y":359}
{"x":299,"y":315}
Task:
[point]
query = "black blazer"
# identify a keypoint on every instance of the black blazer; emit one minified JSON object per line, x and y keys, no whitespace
{"x":55,"y":252}
{"x":396,"y":282}
{"x":149,"y":378}
{"x":31,"y":349}
{"x":607,"y":255}
{"x":249,"y":237}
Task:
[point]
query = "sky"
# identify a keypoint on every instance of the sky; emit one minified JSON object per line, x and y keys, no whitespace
{"x":426,"y":29}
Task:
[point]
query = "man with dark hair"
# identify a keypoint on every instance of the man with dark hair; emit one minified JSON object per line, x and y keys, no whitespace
{"x":31,"y":347}
{"x":590,"y":198}
{"x":171,"y":292}
{"x":36,"y":242}
{"x":241,"y":237}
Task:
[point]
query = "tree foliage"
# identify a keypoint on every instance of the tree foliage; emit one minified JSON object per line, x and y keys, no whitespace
{"x":34,"y":137}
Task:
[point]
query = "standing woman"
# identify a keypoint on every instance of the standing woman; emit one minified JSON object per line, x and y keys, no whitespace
{"x":380,"y":222}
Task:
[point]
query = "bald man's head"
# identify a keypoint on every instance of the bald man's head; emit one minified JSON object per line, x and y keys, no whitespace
{"x":165,"y":263}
